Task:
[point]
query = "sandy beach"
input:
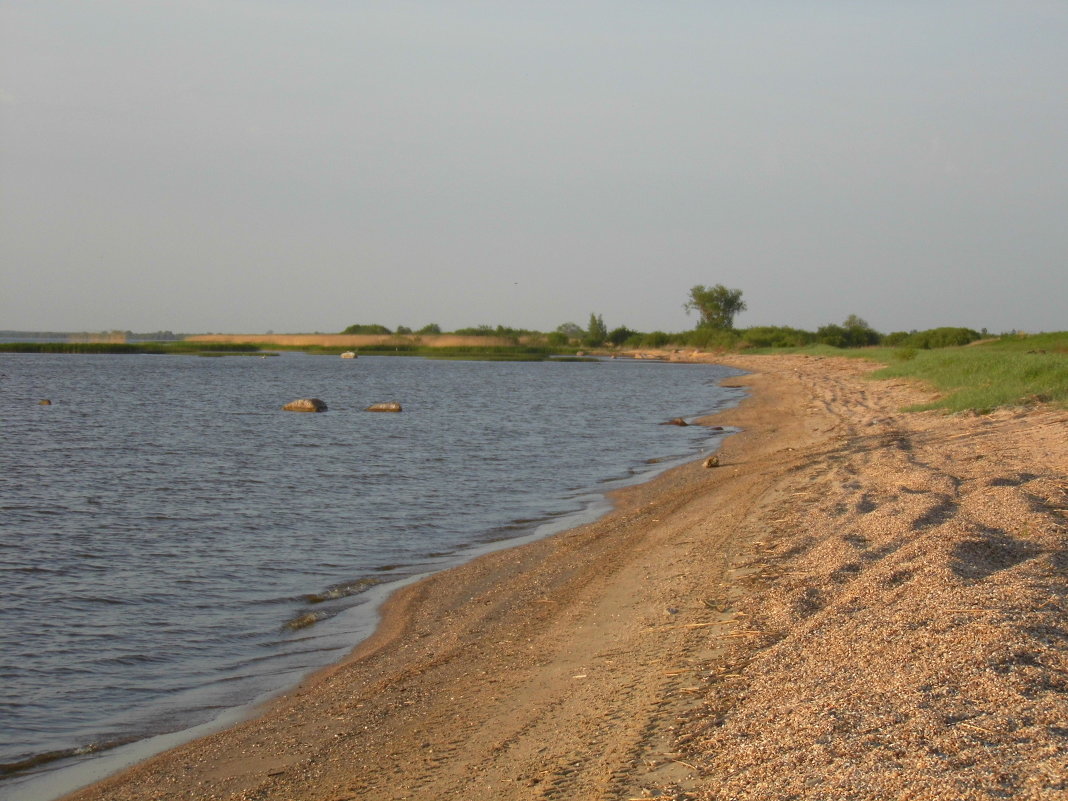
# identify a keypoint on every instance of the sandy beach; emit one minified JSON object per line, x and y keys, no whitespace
{"x":857,"y":603}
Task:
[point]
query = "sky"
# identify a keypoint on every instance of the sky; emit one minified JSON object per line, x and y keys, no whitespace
{"x":243,"y":166}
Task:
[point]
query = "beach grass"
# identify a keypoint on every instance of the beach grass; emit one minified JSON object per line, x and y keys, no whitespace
{"x":1011,"y":370}
{"x":983,"y":378}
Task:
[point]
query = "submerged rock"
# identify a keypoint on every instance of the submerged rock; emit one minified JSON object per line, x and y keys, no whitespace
{"x":305,"y":405}
{"x":392,"y":406}
{"x":677,"y":421}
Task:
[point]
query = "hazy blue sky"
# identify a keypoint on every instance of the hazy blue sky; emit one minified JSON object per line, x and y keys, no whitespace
{"x":300,"y":165}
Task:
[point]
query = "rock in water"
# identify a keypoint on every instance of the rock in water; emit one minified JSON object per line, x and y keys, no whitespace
{"x":677,"y":421}
{"x":45,"y":402}
{"x":393,"y":406}
{"x":305,"y":405}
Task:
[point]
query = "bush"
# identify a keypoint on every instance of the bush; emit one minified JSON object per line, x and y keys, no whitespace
{"x":710,"y":338}
{"x":777,"y":336}
{"x":655,"y":339}
{"x":896,"y":338}
{"x":941,"y":338}
{"x":618,"y":336}
{"x":833,"y":335}
{"x":373,"y":328}
{"x":854,"y":333}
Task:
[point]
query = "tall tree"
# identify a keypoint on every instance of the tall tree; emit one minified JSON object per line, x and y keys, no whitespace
{"x":717,"y":305}
{"x":597,"y":331}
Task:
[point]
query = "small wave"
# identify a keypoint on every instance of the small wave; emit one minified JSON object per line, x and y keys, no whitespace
{"x":34,"y":569}
{"x":304,"y":620}
{"x":47,"y":757}
{"x":130,"y":659}
{"x":346,"y":589}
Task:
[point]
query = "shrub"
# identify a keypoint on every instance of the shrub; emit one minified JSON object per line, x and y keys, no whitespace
{"x":618,"y":336}
{"x":833,"y":335}
{"x":655,"y":339}
{"x":777,"y":336}
{"x":710,"y":338}
{"x":942,"y":338}
{"x":373,"y":328}
{"x":854,"y":333}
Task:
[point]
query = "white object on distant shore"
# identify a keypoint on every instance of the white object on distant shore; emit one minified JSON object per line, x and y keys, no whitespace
{"x":348,"y":355}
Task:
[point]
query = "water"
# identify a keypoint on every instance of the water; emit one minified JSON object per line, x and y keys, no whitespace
{"x":172,"y":544}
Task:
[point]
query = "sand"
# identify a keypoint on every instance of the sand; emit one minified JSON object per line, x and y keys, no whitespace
{"x":858,"y":603}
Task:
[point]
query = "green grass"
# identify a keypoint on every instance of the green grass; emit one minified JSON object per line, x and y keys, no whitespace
{"x":984,"y":377}
{"x":1016,"y":370}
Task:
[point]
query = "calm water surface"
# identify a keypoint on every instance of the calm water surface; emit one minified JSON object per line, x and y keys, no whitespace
{"x":172,"y":544}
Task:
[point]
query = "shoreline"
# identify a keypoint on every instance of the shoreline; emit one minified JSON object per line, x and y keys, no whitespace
{"x":665,"y":649}
{"x":594,"y":504}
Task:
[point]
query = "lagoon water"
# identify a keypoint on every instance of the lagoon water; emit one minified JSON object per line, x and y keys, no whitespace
{"x":173,"y":545}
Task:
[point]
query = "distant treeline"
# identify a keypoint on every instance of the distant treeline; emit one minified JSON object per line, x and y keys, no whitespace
{"x":126,"y":347}
{"x":853,"y":333}
{"x":92,"y":336}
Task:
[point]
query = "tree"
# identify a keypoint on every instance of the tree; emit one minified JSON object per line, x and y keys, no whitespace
{"x":853,"y":333}
{"x":596,"y":332}
{"x":858,"y":333}
{"x":373,"y":328}
{"x":717,"y":305}
{"x":570,"y":330}
{"x":430,"y":328}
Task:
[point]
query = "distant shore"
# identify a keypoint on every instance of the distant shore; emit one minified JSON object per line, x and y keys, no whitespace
{"x":354,"y":340}
{"x":856,"y":603}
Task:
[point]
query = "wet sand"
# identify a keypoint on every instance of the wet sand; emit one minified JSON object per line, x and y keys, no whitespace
{"x":857,"y":603}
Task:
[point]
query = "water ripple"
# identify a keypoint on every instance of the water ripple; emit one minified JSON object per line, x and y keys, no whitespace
{"x":163,"y":523}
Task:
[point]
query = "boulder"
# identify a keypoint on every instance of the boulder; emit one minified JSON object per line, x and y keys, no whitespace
{"x":392,"y":406}
{"x":305,"y":405}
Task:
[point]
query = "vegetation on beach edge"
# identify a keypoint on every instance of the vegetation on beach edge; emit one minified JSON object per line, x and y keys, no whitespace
{"x":1011,"y":370}
{"x":971,"y":370}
